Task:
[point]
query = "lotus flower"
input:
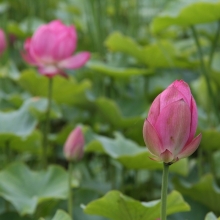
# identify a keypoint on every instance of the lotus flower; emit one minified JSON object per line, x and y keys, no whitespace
{"x":171,"y":124}
{"x":51,"y":49}
{"x":73,"y":148}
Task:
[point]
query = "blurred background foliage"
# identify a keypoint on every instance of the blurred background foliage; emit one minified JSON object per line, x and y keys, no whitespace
{"x":138,"y":48}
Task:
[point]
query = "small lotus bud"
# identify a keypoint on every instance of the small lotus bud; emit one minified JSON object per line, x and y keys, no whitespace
{"x":73,"y":148}
{"x":2,"y":41}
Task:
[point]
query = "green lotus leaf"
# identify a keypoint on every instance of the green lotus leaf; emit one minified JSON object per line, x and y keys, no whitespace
{"x":116,"y":206}
{"x":186,"y":13}
{"x":13,"y":216}
{"x":21,"y":122}
{"x":65,"y":91}
{"x":210,"y":139}
{"x":25,"y":189}
{"x":205,"y":191}
{"x":60,"y":215}
{"x":117,"y":72}
{"x":211,"y":216}
{"x":161,"y":54}
{"x":129,"y":153}
{"x":110,"y":111}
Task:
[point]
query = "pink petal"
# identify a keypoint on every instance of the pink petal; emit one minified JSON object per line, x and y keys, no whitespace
{"x":184,"y":89}
{"x":173,"y":126}
{"x":3,"y":43}
{"x":66,"y":40}
{"x":54,"y":41}
{"x":166,"y":156}
{"x":170,"y":95}
{"x":73,"y":148}
{"x":49,"y":71}
{"x":151,"y":138}
{"x":190,"y":148}
{"x":154,"y":110}
{"x":44,"y":43}
{"x":26,"y":54}
{"x":65,"y":46}
{"x":57,"y":26}
{"x":28,"y":58}
{"x":157,"y":159}
{"x":75,"y":62}
{"x":194,"y":119}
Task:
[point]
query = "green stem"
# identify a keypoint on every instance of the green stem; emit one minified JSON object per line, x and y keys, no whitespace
{"x":204,"y":70}
{"x":7,"y":152}
{"x":47,"y":125}
{"x":164,"y":191}
{"x":199,"y":161}
{"x":214,"y":44}
{"x":212,"y":164}
{"x":117,"y":8}
{"x":70,"y":198}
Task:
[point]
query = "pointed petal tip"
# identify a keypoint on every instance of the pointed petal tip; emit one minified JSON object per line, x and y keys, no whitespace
{"x":191,"y":147}
{"x":76,"y":61}
{"x":167,"y":156}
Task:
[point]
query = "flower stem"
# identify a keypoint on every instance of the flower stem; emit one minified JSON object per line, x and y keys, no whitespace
{"x":47,"y":125}
{"x":214,"y":44}
{"x":70,"y":198}
{"x":204,"y":71}
{"x":164,"y":191}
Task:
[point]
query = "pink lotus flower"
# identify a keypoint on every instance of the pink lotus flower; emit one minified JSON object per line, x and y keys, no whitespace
{"x":3,"y":43}
{"x":171,"y":124}
{"x":73,"y":148}
{"x":51,"y":49}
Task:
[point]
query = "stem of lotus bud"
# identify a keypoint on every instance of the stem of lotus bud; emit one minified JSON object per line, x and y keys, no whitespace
{"x":164,"y":191}
{"x":70,"y":196}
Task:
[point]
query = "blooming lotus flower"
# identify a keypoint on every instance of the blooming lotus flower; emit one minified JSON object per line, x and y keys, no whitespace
{"x":51,"y":49}
{"x":3,"y":43}
{"x":171,"y":124}
{"x":73,"y":148}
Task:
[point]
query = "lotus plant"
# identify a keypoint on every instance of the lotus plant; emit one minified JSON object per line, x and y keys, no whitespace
{"x":51,"y":49}
{"x":170,"y":128}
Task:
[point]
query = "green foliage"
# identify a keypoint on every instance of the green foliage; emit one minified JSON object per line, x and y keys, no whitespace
{"x":186,"y":13}
{"x":138,"y":48}
{"x":124,"y":207}
{"x":73,"y":93}
{"x":117,"y":72}
{"x":110,"y":112}
{"x":210,"y":139}
{"x":25,"y":189}
{"x":13,"y":216}
{"x":211,"y":216}
{"x":161,"y":54}
{"x":205,"y":191}
{"x":60,"y":215}
{"x":129,"y":153}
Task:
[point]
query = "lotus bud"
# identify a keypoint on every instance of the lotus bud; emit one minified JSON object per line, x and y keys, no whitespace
{"x":73,"y":148}
{"x":171,"y":124}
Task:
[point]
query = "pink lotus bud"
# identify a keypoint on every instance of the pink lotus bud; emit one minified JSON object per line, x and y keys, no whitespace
{"x":73,"y":148}
{"x":171,"y":124}
{"x":3,"y":43}
{"x":51,"y":49}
